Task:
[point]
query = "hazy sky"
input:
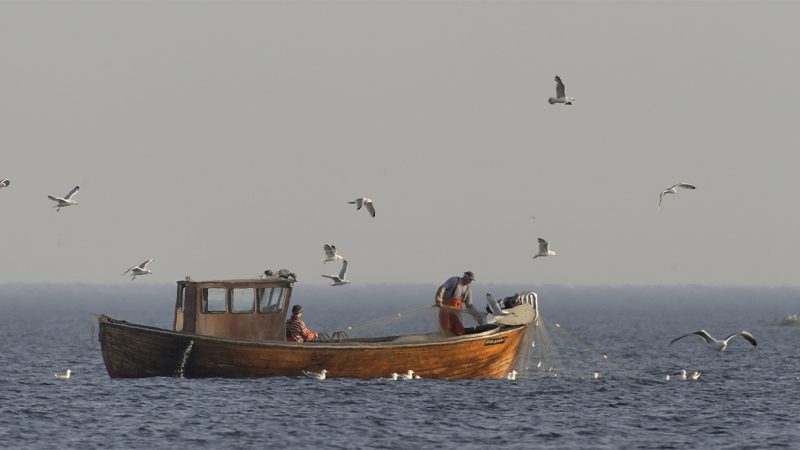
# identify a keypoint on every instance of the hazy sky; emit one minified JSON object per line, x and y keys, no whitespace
{"x":224,"y":138}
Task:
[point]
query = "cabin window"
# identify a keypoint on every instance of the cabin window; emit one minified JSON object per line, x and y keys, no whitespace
{"x":242,"y":300}
{"x":214,"y":300}
{"x":271,"y":299}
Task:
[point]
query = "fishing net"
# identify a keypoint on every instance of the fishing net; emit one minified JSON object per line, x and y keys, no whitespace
{"x":418,"y":321}
{"x":537,"y":354}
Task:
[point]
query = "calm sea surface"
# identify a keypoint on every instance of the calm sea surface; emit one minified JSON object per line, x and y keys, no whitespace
{"x":745,"y":398}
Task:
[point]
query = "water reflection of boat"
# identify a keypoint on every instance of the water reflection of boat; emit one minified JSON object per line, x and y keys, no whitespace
{"x":236,"y":328}
{"x":790,"y":320}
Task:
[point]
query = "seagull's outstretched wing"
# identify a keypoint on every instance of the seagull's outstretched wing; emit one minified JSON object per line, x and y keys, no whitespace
{"x":330,"y":250}
{"x":661,"y":196}
{"x":560,"y":88}
{"x":344,"y":270}
{"x":331,"y":277}
{"x":746,"y":335}
{"x":129,"y":269}
{"x":143,"y":265}
{"x":494,"y":306}
{"x":359,"y":203}
{"x":5,"y":183}
{"x":53,"y":198}
{"x":544,"y":247}
{"x":683,"y":185}
{"x":71,"y":193}
{"x":702,"y":333}
{"x":371,"y":209}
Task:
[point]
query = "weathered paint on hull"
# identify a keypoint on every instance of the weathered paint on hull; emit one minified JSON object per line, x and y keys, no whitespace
{"x":135,"y":351}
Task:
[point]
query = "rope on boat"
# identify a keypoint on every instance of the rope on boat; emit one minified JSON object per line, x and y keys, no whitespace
{"x":182,"y":367}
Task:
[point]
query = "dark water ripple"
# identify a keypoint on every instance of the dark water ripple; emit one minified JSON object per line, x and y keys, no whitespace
{"x":744,"y":399}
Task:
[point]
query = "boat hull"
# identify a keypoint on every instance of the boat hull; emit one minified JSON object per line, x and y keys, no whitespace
{"x":136,"y":351}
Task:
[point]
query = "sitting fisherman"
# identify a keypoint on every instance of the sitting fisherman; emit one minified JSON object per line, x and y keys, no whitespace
{"x":296,"y":330}
{"x":452,"y":294}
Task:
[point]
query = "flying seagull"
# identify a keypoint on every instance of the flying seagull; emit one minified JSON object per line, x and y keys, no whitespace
{"x":330,"y":253}
{"x":5,"y":182}
{"x":560,"y":96}
{"x":544,"y":249}
{"x":63,"y":202}
{"x":364,"y":201}
{"x":719,"y":346}
{"x":315,"y":375}
{"x":65,"y":375}
{"x":340,"y":280}
{"x":141,"y":269}
{"x":673,"y":190}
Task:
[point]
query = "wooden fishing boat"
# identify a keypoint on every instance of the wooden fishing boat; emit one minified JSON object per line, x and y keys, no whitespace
{"x":236,"y":329}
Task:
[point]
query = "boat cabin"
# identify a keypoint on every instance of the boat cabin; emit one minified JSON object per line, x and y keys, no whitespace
{"x":251,"y":309}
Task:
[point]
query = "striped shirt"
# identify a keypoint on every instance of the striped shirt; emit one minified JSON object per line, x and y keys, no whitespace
{"x":296,"y":329}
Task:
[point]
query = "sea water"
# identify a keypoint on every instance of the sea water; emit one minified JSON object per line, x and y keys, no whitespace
{"x":745,"y":397}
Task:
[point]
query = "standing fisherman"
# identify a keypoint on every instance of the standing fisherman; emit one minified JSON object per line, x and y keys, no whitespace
{"x":453,"y":293}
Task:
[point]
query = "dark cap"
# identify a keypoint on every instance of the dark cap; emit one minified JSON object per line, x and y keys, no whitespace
{"x":470,"y":275}
{"x":296,"y":309}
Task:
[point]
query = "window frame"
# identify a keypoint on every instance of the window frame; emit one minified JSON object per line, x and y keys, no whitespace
{"x":270,"y":307}
{"x":226,"y":300}
{"x":253,"y":298}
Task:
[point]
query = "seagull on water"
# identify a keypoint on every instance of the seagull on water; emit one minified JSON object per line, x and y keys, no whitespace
{"x":364,"y":201}
{"x":139,"y":270}
{"x":719,"y":346}
{"x":63,"y":202}
{"x":544,"y":249}
{"x":673,"y":190}
{"x":5,"y":182}
{"x":315,"y":375}
{"x":560,"y":96}
{"x":64,"y":376}
{"x":330,"y":254}
{"x":683,"y":375}
{"x":339,"y":280}
{"x":407,"y":376}
{"x":511,"y":375}
{"x":494,"y":306}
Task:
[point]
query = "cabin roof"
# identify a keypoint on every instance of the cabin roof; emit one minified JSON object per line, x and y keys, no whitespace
{"x":243,"y":281}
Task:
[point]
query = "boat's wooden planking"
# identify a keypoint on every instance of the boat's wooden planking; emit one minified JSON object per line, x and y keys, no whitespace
{"x":137,"y":351}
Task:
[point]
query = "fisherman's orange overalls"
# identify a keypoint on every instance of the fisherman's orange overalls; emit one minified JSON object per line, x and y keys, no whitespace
{"x":450,"y":319}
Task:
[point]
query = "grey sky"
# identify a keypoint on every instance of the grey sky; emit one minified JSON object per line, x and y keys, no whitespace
{"x":223,"y":138}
